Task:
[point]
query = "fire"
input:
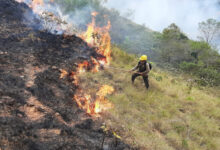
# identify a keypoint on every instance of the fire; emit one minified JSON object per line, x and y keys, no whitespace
{"x":100,"y":38}
{"x":96,"y":65}
{"x":37,"y":2}
{"x":94,"y":106}
{"x":82,"y":67}
{"x":34,"y":4}
{"x":104,"y":90}
{"x":63,"y":74}
{"x":75,"y":78}
{"x":102,"y":104}
{"x":97,"y":37}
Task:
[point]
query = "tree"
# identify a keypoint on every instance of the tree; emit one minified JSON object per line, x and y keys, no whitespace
{"x":72,"y":5}
{"x":174,"y":32}
{"x":174,"y":47}
{"x":209,"y":30}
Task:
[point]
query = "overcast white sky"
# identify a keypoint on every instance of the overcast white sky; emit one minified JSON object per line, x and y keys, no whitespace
{"x":158,"y":14}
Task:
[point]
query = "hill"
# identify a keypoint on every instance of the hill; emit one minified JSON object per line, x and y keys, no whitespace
{"x":49,"y":84}
{"x":171,"y":48}
{"x":175,"y":113}
{"x":37,"y":110}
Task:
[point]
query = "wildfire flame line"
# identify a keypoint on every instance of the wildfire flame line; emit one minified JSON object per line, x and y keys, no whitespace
{"x":99,"y":38}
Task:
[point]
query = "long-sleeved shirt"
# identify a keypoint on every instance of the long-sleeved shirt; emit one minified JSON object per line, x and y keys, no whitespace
{"x":142,"y":67}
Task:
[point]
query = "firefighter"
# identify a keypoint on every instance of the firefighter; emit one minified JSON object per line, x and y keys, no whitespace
{"x":143,"y":68}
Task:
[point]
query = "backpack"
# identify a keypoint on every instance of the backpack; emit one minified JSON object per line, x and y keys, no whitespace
{"x":150,"y":65}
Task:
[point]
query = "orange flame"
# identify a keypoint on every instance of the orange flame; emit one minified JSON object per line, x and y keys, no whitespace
{"x":37,"y":2}
{"x":99,"y":38}
{"x":102,"y":104}
{"x":96,"y":65}
{"x":75,"y":78}
{"x":34,"y":4}
{"x":91,"y":106}
{"x":63,"y":74}
{"x":82,"y":67}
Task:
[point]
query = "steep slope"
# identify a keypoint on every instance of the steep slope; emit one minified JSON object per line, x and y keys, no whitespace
{"x":174,"y":114}
{"x":37,"y":110}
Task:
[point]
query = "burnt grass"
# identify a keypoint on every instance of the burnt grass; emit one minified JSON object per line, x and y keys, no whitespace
{"x":37,"y":110}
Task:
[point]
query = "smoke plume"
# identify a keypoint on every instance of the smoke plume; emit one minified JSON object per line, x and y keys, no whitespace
{"x":158,"y":14}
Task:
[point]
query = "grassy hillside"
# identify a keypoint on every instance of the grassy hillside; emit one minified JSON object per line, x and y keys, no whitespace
{"x":173,"y":114}
{"x":171,"y":48}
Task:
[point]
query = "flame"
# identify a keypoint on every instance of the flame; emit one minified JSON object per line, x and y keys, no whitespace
{"x":75,"y":78}
{"x":96,"y":65}
{"x":63,"y":74}
{"x":83,"y":101}
{"x":82,"y":67}
{"x":102,"y":104}
{"x":100,"y":38}
{"x":94,"y":14}
{"x":37,"y":2}
{"x":94,"y":106}
{"x":97,"y":37}
{"x":34,"y":4}
{"x":104,"y":90}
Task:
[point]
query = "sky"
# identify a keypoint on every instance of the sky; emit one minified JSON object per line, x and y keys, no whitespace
{"x":159,"y":14}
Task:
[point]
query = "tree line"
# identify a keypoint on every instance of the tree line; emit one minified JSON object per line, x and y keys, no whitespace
{"x":171,"y":48}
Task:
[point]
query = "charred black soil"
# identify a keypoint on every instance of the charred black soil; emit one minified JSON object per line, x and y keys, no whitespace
{"x":37,"y":110}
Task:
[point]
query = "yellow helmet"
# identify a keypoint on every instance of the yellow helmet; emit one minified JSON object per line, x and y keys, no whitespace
{"x":143,"y":57}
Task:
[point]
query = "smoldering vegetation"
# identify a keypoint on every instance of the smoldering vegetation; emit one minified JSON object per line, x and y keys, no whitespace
{"x":36,"y":107}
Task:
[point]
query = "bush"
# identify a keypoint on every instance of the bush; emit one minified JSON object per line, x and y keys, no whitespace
{"x":189,"y":66}
{"x":208,"y":76}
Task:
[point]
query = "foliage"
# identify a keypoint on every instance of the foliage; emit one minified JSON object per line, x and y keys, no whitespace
{"x":208,"y":76}
{"x":189,"y":67}
{"x":166,"y":116}
{"x":209,"y":30}
{"x":72,"y":5}
{"x":173,"y":32}
{"x":169,"y":48}
{"x":193,"y":57}
{"x":205,"y":75}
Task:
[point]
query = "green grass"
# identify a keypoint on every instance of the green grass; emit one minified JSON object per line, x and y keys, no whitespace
{"x":170,"y":115}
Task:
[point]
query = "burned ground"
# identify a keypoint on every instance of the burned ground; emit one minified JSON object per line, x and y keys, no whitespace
{"x":37,"y":110}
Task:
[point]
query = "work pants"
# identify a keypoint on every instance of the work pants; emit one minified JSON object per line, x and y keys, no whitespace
{"x":145,"y":78}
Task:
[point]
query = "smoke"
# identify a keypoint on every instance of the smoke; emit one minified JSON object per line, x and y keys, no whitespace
{"x":158,"y":14}
{"x":50,"y":16}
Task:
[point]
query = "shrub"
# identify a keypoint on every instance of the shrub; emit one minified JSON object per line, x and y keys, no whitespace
{"x":189,"y":66}
{"x":208,"y":76}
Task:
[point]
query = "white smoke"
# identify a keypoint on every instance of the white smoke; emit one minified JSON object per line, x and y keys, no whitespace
{"x":158,"y":14}
{"x":53,"y":19}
